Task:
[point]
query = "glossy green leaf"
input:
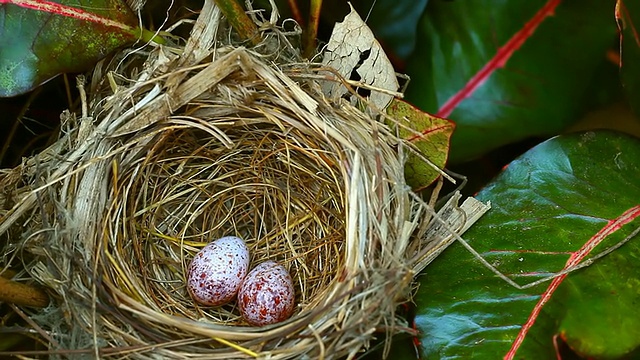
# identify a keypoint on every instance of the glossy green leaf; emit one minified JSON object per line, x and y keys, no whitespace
{"x":41,"y":39}
{"x":507,"y":70}
{"x":628,"y":16}
{"x":429,"y":134}
{"x":545,"y":206}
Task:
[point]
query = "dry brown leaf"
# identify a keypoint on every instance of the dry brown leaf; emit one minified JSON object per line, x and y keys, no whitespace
{"x":355,"y":54}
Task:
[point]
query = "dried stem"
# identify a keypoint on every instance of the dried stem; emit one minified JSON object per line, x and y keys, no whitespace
{"x":22,"y":294}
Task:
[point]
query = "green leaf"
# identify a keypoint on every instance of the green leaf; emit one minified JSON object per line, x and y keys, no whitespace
{"x":41,"y":39}
{"x":507,"y":70}
{"x":545,"y":206}
{"x":429,"y":134}
{"x":628,"y":16}
{"x":598,"y":302}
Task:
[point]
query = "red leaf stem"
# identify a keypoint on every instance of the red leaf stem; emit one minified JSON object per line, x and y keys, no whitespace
{"x":500,"y":59}
{"x":575,"y":258}
{"x":68,"y":11}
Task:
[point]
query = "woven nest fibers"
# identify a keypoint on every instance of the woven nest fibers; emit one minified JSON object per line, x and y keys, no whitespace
{"x":112,"y":214}
{"x":273,"y":187}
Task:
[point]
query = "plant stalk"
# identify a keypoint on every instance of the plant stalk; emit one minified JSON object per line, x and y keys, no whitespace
{"x":239,"y":20}
{"x":311,"y":33}
{"x":295,"y":12}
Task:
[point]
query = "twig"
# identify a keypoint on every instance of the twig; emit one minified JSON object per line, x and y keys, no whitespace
{"x":22,"y":294}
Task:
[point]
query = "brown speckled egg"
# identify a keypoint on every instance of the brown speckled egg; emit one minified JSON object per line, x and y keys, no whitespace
{"x":217,"y":271}
{"x":266,"y":296}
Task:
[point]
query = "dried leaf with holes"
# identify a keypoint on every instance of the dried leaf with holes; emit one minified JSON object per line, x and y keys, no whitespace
{"x":356,"y":55}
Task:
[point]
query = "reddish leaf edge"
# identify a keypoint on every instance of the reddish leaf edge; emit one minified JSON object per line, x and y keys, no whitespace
{"x":67,"y":11}
{"x":500,"y":59}
{"x":575,"y":258}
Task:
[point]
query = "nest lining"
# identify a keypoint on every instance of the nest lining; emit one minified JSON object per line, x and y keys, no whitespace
{"x":284,"y":200}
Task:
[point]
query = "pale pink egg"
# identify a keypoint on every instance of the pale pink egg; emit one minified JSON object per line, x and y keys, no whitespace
{"x":217,"y":271}
{"x":266,"y":296}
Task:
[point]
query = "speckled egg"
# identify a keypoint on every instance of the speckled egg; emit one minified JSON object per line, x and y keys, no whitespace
{"x":217,"y":271}
{"x":266,"y":296}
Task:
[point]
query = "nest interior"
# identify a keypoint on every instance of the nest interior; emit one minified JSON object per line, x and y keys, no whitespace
{"x":178,"y":146}
{"x":276,"y":187}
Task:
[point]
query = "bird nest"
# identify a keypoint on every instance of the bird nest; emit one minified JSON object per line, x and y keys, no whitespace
{"x":179,"y":146}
